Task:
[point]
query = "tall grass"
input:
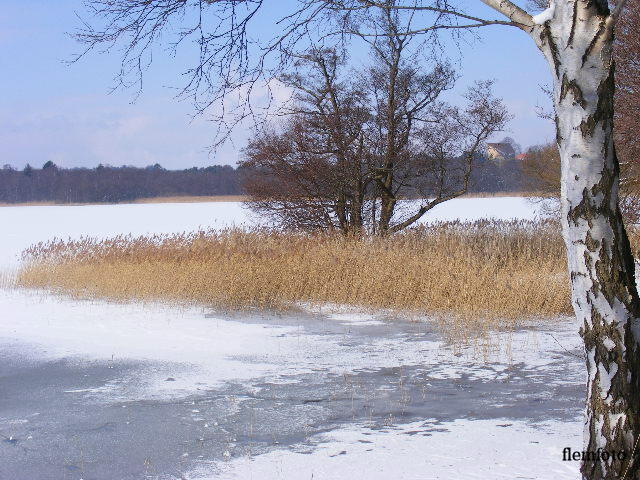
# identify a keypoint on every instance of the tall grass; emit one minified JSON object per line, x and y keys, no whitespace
{"x":486,"y":269}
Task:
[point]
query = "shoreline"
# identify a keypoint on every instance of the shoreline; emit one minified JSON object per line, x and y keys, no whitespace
{"x":222,"y":198}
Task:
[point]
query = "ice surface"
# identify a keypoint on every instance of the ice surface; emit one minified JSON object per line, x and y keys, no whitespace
{"x":463,"y":449}
{"x":23,"y":226}
{"x":202,"y":353}
{"x":171,"y":355}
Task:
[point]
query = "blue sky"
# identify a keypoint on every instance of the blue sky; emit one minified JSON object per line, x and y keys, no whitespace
{"x":50,"y":110}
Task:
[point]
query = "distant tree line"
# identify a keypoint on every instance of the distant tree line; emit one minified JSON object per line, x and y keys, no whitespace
{"x":113,"y":184}
{"x":497,"y":176}
{"x":121,"y":184}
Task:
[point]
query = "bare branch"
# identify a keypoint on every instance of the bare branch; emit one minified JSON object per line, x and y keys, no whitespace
{"x":232,"y":61}
{"x":514,"y":13}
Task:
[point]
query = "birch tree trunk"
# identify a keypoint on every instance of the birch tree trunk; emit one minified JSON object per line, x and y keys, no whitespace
{"x":576,"y":37}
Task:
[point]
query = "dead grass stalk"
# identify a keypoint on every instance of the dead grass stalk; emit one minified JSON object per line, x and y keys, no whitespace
{"x":482,"y":270}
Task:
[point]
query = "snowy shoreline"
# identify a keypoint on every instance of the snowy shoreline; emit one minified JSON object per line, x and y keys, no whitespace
{"x":94,"y":389}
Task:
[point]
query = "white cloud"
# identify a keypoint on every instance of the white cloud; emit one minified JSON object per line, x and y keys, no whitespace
{"x":86,"y":131}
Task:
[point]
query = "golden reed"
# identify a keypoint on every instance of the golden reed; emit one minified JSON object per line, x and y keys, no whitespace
{"x":482,"y":270}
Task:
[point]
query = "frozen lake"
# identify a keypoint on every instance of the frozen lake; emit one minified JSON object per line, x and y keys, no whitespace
{"x":95,"y":390}
{"x":23,"y":226}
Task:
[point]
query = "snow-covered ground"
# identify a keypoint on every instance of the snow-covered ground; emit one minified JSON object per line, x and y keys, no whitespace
{"x":461,"y":449}
{"x":127,"y":391}
{"x":23,"y":226}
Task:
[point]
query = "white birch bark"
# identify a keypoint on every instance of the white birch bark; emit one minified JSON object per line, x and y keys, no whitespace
{"x":576,"y":37}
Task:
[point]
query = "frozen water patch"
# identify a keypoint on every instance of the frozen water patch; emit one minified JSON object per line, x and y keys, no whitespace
{"x":497,"y":449}
{"x":182,"y":351}
{"x":345,"y":314}
{"x":182,"y":344}
{"x":24,"y":226}
{"x":355,"y":318}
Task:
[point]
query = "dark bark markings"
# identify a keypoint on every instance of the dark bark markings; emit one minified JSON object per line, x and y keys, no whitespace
{"x":612,"y":278}
{"x":574,"y":21}
{"x":604,"y":108}
{"x":571,"y":86}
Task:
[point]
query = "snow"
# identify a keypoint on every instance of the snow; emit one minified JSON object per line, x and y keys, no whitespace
{"x":26,"y":225}
{"x":471,"y":209}
{"x":202,"y":351}
{"x":546,"y":15}
{"x":262,"y":351}
{"x":481,"y":449}
{"x":222,"y":350}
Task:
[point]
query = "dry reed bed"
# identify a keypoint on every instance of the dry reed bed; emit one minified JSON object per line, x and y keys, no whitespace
{"x":486,"y":269}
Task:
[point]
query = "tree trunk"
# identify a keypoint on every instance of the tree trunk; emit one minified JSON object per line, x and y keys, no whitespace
{"x":387,"y":207}
{"x":341,"y":214}
{"x":578,"y":42}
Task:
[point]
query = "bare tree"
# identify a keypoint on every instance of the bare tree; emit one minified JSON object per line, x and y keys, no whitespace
{"x":577,"y":38}
{"x":403,"y":95}
{"x":542,"y":166}
{"x":445,"y":152}
{"x":541,"y":170}
{"x":627,"y":98}
{"x":299,"y":188}
{"x":382,"y":153}
{"x":313,"y":173}
{"x":291,"y":185}
{"x":342,"y":162}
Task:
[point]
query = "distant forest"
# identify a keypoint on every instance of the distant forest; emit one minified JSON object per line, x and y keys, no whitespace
{"x":107,"y":184}
{"x":113,"y":184}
